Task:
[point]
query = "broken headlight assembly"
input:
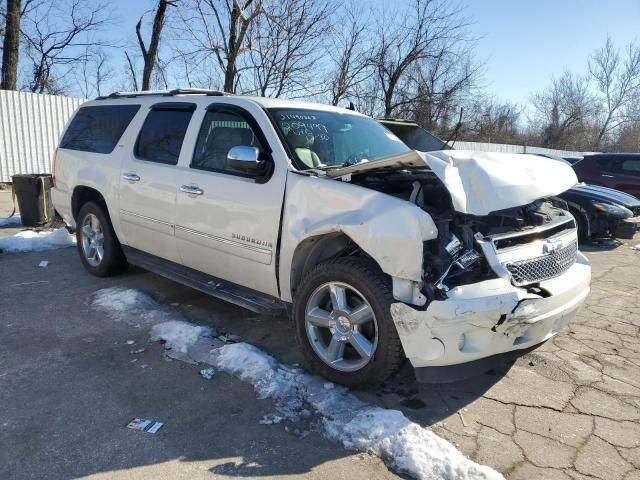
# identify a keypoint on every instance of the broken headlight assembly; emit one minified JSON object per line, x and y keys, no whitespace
{"x":454,"y":264}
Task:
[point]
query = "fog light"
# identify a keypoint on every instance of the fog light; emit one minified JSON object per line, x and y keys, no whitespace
{"x":462,"y":339}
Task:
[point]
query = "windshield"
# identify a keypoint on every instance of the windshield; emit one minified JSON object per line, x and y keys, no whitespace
{"x":330,"y":139}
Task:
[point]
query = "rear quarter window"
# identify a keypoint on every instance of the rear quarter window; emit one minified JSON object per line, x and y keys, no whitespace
{"x":98,"y":128}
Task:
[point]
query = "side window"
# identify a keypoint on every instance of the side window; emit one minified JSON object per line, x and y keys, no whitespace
{"x":631,"y":166}
{"x":219,"y":133}
{"x":161,"y":137}
{"x":608,"y":164}
{"x":97,"y":129}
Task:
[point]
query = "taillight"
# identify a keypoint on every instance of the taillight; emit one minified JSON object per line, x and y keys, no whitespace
{"x":53,"y":168}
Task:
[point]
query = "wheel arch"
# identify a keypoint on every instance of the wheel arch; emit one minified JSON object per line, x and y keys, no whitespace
{"x":577,"y":209}
{"x":315,"y":250}
{"x":83,"y":194}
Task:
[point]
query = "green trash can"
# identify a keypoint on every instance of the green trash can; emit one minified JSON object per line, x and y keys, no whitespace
{"x":33,"y":192}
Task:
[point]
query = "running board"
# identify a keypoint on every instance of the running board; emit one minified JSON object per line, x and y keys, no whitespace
{"x":243,"y":297}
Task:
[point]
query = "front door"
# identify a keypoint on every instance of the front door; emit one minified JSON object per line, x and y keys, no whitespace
{"x":148,"y":181}
{"x":227,"y":222}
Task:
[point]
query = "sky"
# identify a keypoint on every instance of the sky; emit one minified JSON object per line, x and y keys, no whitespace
{"x":523,"y":42}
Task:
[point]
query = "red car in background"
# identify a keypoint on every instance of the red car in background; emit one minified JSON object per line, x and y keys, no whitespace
{"x":620,"y":171}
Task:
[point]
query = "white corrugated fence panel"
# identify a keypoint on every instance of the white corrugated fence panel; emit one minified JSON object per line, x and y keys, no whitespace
{"x":30,"y":127}
{"x":506,"y":148}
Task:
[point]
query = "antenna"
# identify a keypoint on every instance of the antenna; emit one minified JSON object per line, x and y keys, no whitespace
{"x":454,"y":134}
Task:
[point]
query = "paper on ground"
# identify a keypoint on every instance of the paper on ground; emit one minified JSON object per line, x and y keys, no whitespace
{"x":149,"y":426}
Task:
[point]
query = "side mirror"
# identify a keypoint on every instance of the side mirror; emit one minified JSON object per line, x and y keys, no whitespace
{"x":245,"y":159}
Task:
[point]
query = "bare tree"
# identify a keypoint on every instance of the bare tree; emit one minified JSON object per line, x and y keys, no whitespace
{"x":57,"y":34}
{"x":131,"y":71}
{"x":285,"y":45}
{"x":410,"y":40}
{"x":11,"y":45}
{"x":347,"y":54}
{"x":150,"y":54}
{"x":618,"y":83}
{"x":441,"y":83}
{"x":564,"y":110}
{"x":93,"y":73}
{"x":218,"y":29}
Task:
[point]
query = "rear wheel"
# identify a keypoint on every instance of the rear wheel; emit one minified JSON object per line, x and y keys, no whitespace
{"x":98,"y":246}
{"x":344,"y":325}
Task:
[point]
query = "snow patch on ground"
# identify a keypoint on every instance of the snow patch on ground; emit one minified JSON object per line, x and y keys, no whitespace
{"x":179,"y":335}
{"x":301,"y":398}
{"x":30,"y":241}
{"x":131,"y":306}
{"x":406,"y":446}
{"x":11,"y":221}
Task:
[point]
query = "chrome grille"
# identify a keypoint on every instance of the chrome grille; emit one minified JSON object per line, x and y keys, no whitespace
{"x":541,"y":268}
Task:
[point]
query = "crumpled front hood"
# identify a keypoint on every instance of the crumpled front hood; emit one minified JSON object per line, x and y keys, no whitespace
{"x":482,"y":182}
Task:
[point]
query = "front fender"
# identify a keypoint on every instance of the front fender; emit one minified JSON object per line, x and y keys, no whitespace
{"x":388,"y":229}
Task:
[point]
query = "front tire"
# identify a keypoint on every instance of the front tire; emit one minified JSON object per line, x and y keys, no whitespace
{"x":98,"y":246}
{"x":343,"y":323}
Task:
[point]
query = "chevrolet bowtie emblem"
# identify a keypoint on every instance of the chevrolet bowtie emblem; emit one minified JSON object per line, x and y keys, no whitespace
{"x":552,"y":246}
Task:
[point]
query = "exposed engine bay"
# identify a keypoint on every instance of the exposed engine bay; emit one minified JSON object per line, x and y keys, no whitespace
{"x":455,"y":258}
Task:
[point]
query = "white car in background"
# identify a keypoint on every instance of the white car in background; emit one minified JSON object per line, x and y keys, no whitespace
{"x":378,"y":252}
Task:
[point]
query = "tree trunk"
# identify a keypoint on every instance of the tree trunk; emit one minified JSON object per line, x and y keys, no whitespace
{"x":150,"y":56}
{"x":11,"y":46}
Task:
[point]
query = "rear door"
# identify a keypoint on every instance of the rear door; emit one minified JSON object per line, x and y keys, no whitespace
{"x":599,"y":171}
{"x":627,"y":176}
{"x":229,"y":227}
{"x":148,"y":180}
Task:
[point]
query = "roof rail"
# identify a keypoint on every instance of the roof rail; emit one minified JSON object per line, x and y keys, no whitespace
{"x":163,"y":93}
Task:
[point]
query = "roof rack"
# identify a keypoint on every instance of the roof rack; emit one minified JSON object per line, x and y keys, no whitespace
{"x":163,"y":93}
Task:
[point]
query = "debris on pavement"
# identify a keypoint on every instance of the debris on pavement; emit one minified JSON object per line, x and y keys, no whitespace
{"x":207,"y":373}
{"x":149,"y":426}
{"x":271,"y":419}
{"x":130,"y":342}
{"x":140,"y":350}
{"x":43,"y":264}
{"x":229,"y":338}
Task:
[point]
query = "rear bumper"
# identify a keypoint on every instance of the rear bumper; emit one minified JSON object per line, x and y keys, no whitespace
{"x":489,"y":318}
{"x":62,"y":203}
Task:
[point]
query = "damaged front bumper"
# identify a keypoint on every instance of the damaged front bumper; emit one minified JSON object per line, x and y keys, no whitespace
{"x":489,"y":318}
{"x":627,"y":228}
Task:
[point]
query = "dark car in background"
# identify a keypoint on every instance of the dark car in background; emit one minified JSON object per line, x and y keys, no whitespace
{"x":599,"y":211}
{"x":620,"y":171}
{"x":603,"y":212}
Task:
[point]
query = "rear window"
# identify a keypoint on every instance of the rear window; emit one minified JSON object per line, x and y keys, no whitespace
{"x":97,"y":129}
{"x":162,"y":134}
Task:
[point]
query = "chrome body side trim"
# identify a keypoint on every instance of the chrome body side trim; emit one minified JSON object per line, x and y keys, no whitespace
{"x":216,"y":238}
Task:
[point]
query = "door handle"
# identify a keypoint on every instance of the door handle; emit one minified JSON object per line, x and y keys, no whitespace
{"x":191,"y":190}
{"x":607,"y":176}
{"x":131,"y":177}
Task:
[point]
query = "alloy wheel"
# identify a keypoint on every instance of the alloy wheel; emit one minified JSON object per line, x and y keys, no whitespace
{"x":92,"y":240}
{"x":341,"y":326}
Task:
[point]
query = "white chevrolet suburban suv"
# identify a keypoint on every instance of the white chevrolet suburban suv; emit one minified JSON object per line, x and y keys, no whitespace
{"x":378,"y":252}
